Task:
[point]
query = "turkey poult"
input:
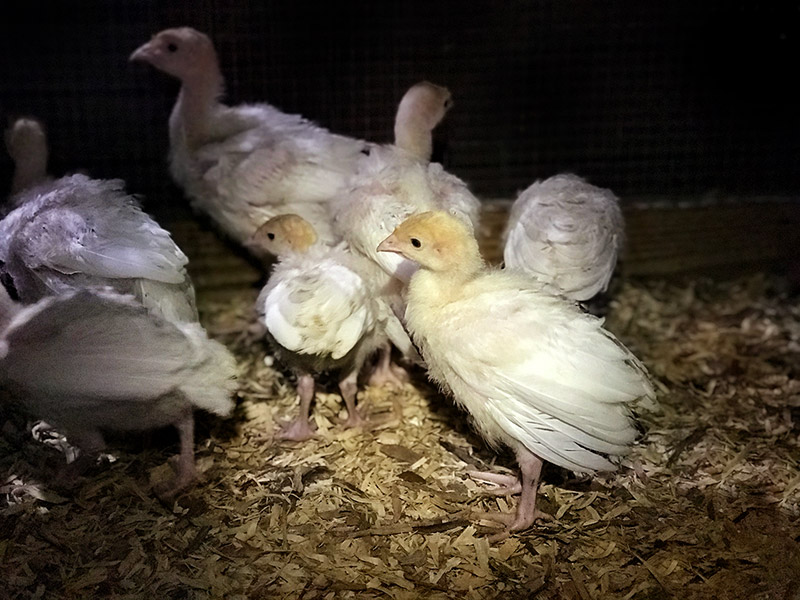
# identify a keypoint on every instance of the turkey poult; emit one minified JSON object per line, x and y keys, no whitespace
{"x":76,"y":232}
{"x":567,"y":233}
{"x":397,"y":181}
{"x":242,"y":165}
{"x":532,"y":370}
{"x":88,"y":361}
{"x":322,"y":312}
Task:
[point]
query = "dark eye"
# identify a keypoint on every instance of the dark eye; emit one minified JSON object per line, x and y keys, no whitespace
{"x":172,"y":47}
{"x":416,"y":243}
{"x":448,"y":103}
{"x":271,"y":236}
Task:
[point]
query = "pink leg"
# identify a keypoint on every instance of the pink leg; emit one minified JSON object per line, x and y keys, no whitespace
{"x":185,"y":472}
{"x":386,"y":372}
{"x":527,"y":513}
{"x":300,"y":429}
{"x":348,"y":388}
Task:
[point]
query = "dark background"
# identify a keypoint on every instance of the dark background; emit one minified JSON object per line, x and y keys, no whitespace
{"x":648,"y":98}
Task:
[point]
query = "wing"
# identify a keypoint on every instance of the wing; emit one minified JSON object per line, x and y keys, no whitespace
{"x":545,"y":374}
{"x":92,"y":227}
{"x":321,"y":309}
{"x":280,"y":159}
{"x":90,"y":348}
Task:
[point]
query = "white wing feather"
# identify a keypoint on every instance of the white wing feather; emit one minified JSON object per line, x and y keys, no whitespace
{"x":260,"y":162}
{"x":317,"y":307}
{"x":536,"y":371}
{"x":81,"y":352}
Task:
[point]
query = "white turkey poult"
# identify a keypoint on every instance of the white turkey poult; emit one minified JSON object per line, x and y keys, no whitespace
{"x":77,"y":232}
{"x":397,"y":180}
{"x":322,"y":312}
{"x":242,"y":165}
{"x":567,"y":233}
{"x":394,"y":182}
{"x":534,"y":372}
{"x":88,"y":361}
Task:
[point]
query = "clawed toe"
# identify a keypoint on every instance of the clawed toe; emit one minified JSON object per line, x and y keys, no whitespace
{"x":296,"y":431}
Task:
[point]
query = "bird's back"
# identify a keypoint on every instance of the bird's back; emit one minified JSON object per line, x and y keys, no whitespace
{"x":566,"y":232}
{"x":318,"y":305}
{"x":529,"y":366}
{"x":81,"y":232}
{"x":110,"y":363}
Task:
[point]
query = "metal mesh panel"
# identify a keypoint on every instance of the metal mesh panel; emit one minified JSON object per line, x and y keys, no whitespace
{"x":646,"y":98}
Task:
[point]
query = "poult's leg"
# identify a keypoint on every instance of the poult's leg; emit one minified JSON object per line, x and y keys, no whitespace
{"x":527,"y":513}
{"x":348,"y":388}
{"x":531,"y":467}
{"x":185,"y":471}
{"x":300,"y":429}
{"x":386,"y":372}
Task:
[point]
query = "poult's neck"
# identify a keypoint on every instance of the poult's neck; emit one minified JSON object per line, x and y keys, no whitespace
{"x":29,"y":172}
{"x":448,"y":284}
{"x":197,"y":99}
{"x":411,"y":137}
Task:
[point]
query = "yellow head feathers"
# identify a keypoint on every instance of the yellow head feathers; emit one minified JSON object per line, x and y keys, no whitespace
{"x":284,"y":233}
{"x":436,"y":241}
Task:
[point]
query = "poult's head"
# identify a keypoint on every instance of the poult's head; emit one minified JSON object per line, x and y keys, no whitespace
{"x":25,"y":139}
{"x":437,"y":241}
{"x":422,"y":108}
{"x":284,"y":234}
{"x":182,"y":52}
{"x":427,"y":103}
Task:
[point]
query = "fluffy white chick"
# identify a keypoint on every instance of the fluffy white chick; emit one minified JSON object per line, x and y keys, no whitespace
{"x":567,"y":233}
{"x":397,"y":181}
{"x":76,"y":232}
{"x":88,"y":361}
{"x":533,"y":371}
{"x":26,"y":143}
{"x":243,"y":164}
{"x":322,"y":312}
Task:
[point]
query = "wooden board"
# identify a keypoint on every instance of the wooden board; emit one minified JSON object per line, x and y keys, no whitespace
{"x":663,"y":238}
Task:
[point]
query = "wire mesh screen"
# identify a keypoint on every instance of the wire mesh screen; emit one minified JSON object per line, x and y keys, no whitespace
{"x":667,"y":98}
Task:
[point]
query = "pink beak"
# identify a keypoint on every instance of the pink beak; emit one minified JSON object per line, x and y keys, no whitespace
{"x":390,"y":244}
{"x":144,"y":52}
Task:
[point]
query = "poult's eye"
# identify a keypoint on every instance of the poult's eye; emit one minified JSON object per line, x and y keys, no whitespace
{"x":172,"y":47}
{"x":416,"y":243}
{"x":271,"y":236}
{"x":448,"y":103}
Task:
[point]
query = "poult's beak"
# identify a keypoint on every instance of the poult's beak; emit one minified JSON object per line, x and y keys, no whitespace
{"x":143,"y":52}
{"x":390,"y":244}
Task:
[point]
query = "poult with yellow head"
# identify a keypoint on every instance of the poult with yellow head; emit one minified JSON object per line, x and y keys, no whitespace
{"x":533,"y":371}
{"x":322,"y":313}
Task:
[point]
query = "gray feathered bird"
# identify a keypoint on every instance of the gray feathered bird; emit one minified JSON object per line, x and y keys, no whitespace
{"x":77,"y":232}
{"x":90,"y":360}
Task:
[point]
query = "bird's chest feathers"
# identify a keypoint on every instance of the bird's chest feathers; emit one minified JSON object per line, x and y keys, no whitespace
{"x":432,"y":308}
